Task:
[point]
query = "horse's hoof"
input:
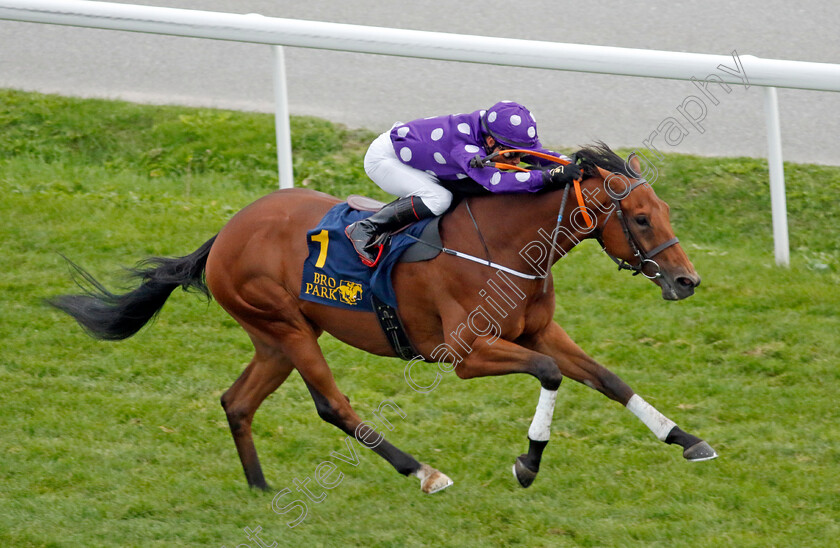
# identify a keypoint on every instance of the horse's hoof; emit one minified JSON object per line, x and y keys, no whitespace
{"x":523,"y":474}
{"x":431,"y":480}
{"x":436,"y":482}
{"x":699,"y":452}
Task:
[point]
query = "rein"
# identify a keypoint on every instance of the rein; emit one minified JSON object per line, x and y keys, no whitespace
{"x":554,"y":236}
{"x":477,"y":230}
{"x":489,"y":161}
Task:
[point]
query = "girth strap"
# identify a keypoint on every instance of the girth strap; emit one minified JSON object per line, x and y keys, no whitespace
{"x":393,"y":328}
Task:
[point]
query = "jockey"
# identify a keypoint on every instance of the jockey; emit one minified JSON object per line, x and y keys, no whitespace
{"x":413,"y":158}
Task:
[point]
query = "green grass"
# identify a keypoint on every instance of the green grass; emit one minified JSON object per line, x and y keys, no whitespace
{"x":125,"y":444}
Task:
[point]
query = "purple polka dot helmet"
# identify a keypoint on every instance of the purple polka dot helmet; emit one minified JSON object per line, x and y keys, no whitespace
{"x":512,"y":125}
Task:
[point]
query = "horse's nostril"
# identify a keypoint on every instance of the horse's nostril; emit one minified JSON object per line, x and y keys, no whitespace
{"x":687,"y":282}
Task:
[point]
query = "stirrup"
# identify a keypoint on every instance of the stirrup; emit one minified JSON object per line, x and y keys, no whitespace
{"x":373,"y":263}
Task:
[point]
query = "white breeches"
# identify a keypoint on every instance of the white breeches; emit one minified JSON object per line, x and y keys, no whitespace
{"x":394,"y":177}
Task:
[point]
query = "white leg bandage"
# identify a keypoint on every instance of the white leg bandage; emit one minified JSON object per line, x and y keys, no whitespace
{"x":541,"y":424}
{"x":658,"y":423}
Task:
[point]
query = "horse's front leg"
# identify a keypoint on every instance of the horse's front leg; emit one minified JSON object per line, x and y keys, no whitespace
{"x":574,"y":363}
{"x":490,"y":357}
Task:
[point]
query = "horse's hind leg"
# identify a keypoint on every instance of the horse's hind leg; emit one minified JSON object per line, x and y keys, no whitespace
{"x":576,"y":364}
{"x":334,"y":408}
{"x":264,"y":375}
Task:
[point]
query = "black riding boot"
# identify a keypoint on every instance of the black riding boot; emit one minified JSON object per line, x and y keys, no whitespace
{"x":370,"y":235}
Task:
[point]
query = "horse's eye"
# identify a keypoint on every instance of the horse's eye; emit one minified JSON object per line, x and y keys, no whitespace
{"x":642,"y":220}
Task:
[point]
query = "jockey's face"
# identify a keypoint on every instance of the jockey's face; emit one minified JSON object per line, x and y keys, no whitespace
{"x":511,"y":158}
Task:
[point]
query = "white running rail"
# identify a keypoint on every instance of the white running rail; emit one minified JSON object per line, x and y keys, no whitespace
{"x":278,"y":32}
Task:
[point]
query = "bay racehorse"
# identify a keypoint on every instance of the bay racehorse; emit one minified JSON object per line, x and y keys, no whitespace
{"x":476,"y":319}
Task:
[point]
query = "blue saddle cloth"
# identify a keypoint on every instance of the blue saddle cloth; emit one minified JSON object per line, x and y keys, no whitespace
{"x":333,"y":273}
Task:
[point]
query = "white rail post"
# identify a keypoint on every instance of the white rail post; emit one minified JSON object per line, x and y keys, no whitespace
{"x":281,"y":121}
{"x":777,"y":177}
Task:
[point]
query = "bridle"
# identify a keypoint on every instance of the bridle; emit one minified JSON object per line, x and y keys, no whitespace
{"x":637,"y":249}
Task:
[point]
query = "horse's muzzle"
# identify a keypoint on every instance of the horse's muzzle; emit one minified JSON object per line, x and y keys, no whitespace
{"x":676,"y":288}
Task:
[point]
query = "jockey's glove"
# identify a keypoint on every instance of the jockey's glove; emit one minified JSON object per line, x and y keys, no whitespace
{"x":560,"y":176}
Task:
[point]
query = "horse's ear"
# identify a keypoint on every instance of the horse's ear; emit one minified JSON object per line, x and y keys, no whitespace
{"x":635,"y":165}
{"x":604,"y":173}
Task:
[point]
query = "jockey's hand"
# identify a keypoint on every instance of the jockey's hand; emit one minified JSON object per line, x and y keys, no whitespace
{"x":560,"y":176}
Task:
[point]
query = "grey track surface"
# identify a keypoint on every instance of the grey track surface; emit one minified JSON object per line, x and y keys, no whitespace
{"x":374,"y":91}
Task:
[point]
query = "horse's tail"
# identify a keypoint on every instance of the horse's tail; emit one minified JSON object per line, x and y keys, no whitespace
{"x":107,"y":316}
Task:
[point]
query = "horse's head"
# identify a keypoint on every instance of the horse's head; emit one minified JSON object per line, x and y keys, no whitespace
{"x":636,"y":232}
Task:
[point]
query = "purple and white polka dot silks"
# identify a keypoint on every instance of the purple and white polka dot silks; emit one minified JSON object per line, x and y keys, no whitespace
{"x":444,"y":146}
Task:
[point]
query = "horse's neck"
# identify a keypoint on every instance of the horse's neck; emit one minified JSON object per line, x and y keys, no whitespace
{"x":510,"y":223}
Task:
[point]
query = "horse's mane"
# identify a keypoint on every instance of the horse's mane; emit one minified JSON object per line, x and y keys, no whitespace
{"x":600,"y":155}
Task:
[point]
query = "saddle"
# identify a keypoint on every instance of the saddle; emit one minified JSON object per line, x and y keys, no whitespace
{"x":363,"y":203}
